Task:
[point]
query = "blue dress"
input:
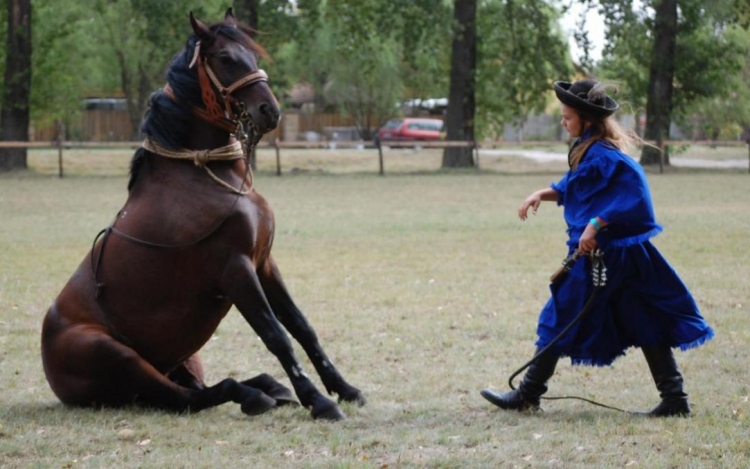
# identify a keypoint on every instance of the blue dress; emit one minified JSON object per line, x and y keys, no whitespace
{"x":644,"y":302}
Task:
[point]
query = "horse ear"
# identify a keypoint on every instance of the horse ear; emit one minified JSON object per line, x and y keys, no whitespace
{"x":200,"y":29}
{"x":229,"y":17}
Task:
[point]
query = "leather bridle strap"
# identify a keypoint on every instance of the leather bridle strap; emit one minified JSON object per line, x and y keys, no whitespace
{"x":225,"y":119}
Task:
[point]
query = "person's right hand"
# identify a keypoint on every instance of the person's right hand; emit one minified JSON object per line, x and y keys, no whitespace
{"x":532,"y":202}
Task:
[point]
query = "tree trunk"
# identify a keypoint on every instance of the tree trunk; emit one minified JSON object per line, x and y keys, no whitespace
{"x":247,"y":12}
{"x":14,"y":117}
{"x":661,"y":74}
{"x":459,"y":119}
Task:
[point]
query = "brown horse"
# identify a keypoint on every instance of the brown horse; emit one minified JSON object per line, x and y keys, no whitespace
{"x":192,"y":239}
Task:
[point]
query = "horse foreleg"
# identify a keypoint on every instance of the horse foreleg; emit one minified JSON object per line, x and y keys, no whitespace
{"x":295,"y":322}
{"x":242,"y":285}
{"x":87,"y":367}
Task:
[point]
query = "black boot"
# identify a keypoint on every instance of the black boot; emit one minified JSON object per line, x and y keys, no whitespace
{"x":674,"y":401}
{"x":533,"y":385}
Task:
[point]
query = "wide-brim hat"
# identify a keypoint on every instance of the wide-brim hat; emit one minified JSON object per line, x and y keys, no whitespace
{"x":587,"y":97}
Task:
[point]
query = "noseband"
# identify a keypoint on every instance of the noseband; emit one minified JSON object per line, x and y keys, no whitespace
{"x":226,"y":118}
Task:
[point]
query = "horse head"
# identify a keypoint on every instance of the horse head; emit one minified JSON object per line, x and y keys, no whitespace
{"x":233,"y":88}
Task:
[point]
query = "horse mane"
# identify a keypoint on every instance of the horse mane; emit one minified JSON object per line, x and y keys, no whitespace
{"x":169,"y":122}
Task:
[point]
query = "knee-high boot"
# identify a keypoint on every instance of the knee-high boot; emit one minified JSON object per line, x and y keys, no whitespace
{"x":668,"y":380}
{"x":533,"y":385}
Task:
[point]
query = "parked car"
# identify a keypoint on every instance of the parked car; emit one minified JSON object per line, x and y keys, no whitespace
{"x":400,"y":129}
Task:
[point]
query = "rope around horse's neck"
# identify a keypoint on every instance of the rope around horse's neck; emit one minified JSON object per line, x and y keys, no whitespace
{"x":233,"y":151}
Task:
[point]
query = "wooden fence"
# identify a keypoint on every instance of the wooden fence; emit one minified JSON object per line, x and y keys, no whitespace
{"x":107,"y":125}
{"x":279,"y":145}
{"x":93,"y":125}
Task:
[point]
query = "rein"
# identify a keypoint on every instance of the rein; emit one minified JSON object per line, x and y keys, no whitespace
{"x":599,"y":277}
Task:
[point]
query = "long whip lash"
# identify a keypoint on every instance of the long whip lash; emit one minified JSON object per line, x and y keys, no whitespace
{"x":599,"y":275}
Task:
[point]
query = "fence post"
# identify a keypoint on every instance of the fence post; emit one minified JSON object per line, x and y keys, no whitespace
{"x":60,"y":138}
{"x":661,"y":155}
{"x":748,"y":155}
{"x":380,"y":158}
{"x":278,"y":156}
{"x":476,"y":153}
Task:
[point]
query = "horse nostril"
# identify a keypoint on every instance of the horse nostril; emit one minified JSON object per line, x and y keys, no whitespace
{"x":270,"y":113}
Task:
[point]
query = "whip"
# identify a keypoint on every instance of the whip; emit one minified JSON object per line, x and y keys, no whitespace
{"x":599,"y":280}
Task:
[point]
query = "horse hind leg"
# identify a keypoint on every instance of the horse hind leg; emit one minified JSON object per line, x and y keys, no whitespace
{"x":272,"y":388}
{"x":189,"y":374}
{"x":86,"y":368}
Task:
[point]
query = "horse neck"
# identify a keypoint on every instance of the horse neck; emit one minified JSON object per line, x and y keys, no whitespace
{"x":204,"y":136}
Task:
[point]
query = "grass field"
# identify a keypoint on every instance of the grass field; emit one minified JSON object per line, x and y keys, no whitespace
{"x":424,"y":288}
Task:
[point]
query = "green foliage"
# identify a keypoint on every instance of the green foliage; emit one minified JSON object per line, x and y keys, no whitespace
{"x":385,"y":51}
{"x":367,"y":84}
{"x":521,"y":52}
{"x":708,"y":55}
{"x":723,"y":114}
{"x":64,"y":61}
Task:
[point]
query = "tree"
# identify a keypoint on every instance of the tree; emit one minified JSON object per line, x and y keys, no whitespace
{"x":14,"y":117}
{"x":247,"y":12}
{"x":686,"y":48}
{"x":366,"y":83}
{"x":362,"y":57}
{"x":141,"y":47}
{"x":459,"y":120}
{"x":725,"y":115}
{"x":61,"y":79}
{"x":661,"y":74}
{"x":521,"y":52}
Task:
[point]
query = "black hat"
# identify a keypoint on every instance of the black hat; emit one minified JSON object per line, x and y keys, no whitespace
{"x":587,"y":97}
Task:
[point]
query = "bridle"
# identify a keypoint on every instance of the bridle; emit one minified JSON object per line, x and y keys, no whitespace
{"x":232,"y":117}
{"x":236,"y":123}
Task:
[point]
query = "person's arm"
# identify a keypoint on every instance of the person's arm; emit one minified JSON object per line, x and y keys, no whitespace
{"x":547,"y":194}
{"x":587,"y":242}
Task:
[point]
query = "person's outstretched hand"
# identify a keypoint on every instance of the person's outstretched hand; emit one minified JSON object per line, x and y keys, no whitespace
{"x":532,"y":202}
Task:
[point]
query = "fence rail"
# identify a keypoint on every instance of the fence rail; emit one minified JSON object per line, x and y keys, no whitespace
{"x":278,"y":145}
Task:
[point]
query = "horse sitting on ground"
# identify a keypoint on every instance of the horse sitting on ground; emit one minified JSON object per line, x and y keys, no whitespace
{"x":193,"y":239}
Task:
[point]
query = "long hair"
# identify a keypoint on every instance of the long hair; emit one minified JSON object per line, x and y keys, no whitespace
{"x":607,"y":130}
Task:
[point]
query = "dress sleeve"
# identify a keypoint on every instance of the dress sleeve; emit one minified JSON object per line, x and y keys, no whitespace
{"x":615,"y":191}
{"x":560,"y":187}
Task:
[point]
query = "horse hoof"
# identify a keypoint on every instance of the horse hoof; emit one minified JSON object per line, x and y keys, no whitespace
{"x":355,"y":396}
{"x":282,"y":401}
{"x":257,"y":405}
{"x":283,"y":396}
{"x":332,"y":413}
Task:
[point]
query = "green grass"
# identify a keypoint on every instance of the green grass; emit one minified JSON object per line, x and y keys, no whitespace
{"x":424,"y":288}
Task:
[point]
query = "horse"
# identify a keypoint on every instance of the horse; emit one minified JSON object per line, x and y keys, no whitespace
{"x":192,"y":239}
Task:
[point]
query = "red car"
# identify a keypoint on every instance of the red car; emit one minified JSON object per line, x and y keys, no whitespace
{"x":401,"y":129}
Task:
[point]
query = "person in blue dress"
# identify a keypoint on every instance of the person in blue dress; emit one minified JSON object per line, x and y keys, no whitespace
{"x":607,"y":207}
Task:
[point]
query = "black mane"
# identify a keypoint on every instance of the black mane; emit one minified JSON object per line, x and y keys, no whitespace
{"x":169,"y":122}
